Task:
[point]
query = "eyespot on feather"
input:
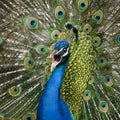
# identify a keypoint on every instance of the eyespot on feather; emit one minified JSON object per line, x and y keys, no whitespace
{"x":117,"y":39}
{"x":102,"y":61}
{"x":108,"y":80}
{"x":91,"y":79}
{"x":41,"y":49}
{"x":83,"y":5}
{"x":87,"y":28}
{"x":59,"y":13}
{"x":30,"y":22}
{"x":97,"y":16}
{"x":29,"y":62}
{"x":96,"y":41}
{"x":14,"y":91}
{"x":87,"y":95}
{"x":103,"y":106}
{"x":29,"y":116}
{"x":55,"y":35}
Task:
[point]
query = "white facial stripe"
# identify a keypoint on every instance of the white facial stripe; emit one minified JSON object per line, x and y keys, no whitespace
{"x":59,"y":50}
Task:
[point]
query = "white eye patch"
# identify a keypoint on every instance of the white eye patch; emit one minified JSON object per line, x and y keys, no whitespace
{"x":65,"y":53}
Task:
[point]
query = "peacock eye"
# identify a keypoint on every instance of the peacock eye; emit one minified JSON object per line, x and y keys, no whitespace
{"x":59,"y":12}
{"x":65,"y":49}
{"x":29,"y":62}
{"x":83,"y":5}
{"x":97,"y":17}
{"x":87,"y":95}
{"x":41,"y":49}
{"x":29,"y":116}
{"x":55,"y":35}
{"x":103,"y":106}
{"x":102,"y":60}
{"x":87,"y":28}
{"x":96,"y":41}
{"x":30,"y":22}
{"x":108,"y":80}
{"x":33,"y":23}
{"x":91,"y":79}
{"x":118,"y":39}
{"x":14,"y":91}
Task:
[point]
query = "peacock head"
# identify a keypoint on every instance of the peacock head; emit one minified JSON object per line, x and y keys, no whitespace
{"x":60,"y":54}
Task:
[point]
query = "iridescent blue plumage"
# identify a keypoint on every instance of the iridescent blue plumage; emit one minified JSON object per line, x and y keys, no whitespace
{"x":51,"y":106}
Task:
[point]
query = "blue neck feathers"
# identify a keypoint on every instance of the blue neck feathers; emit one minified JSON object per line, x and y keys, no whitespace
{"x":49,"y":107}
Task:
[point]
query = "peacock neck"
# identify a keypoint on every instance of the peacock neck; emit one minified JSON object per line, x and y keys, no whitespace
{"x":50,"y":99}
{"x":54,"y":83}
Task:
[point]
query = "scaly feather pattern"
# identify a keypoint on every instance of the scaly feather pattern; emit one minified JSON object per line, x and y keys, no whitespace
{"x":29,"y":30}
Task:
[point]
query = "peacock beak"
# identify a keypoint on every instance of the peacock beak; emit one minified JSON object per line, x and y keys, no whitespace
{"x":56,"y":59}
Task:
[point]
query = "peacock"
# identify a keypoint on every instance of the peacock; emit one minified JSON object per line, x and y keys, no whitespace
{"x":60,"y":60}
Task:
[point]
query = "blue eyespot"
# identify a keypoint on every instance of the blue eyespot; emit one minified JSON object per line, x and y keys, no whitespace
{"x":29,"y":117}
{"x":86,"y":93}
{"x":60,"y":14}
{"x":82,"y":5}
{"x":96,"y":18}
{"x":33,"y":23}
{"x":95,"y":41}
{"x":30,"y":22}
{"x":91,"y":79}
{"x":87,"y":29}
{"x":118,"y":39}
{"x":103,"y":104}
{"x":56,"y":36}
{"x":107,"y":79}
{"x":101,"y":61}
{"x":42,"y":49}
{"x":30,"y":62}
{"x":16,"y":89}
